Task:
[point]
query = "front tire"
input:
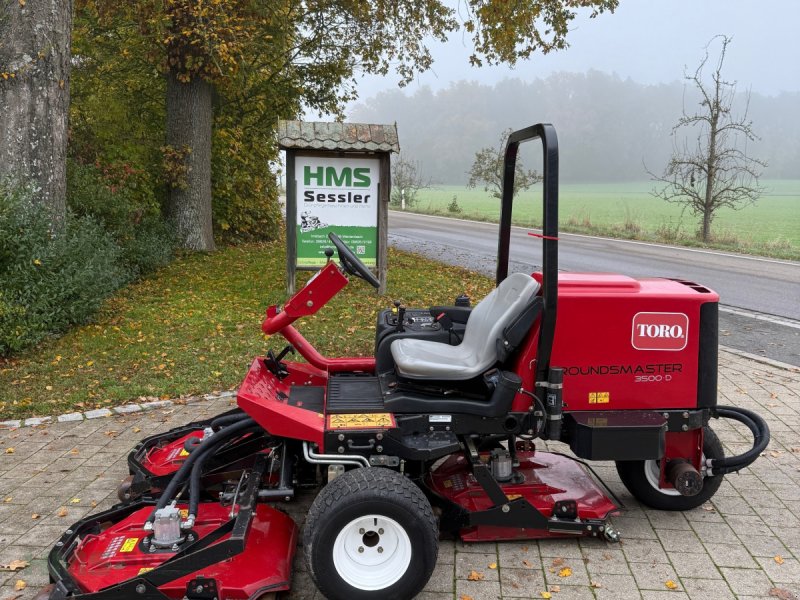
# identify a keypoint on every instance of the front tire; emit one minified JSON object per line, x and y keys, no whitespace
{"x":370,"y":533}
{"x":641,"y":478}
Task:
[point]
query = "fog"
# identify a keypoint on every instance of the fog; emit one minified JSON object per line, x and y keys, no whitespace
{"x":613,"y":95}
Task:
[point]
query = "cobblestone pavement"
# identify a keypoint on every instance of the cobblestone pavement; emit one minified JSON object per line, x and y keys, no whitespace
{"x":745,"y":543}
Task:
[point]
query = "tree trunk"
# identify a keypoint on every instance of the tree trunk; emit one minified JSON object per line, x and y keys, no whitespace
{"x":189,"y":121}
{"x":35,"y":39}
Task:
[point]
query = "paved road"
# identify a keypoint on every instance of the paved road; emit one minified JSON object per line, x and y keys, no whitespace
{"x":760,"y":297}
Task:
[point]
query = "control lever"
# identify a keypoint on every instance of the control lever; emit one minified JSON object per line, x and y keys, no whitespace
{"x":447,"y":324}
{"x":274,"y":364}
{"x":401,"y":315}
{"x":328,"y":253}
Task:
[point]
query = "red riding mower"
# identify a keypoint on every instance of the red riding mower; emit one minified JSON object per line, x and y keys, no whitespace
{"x":434,"y":433}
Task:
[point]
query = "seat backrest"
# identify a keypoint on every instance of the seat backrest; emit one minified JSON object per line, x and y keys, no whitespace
{"x":493,"y":314}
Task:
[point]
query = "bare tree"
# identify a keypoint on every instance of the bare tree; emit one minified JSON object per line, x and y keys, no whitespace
{"x":714,"y":171}
{"x":406,"y":182}
{"x":488,"y":170}
{"x":34,"y":97}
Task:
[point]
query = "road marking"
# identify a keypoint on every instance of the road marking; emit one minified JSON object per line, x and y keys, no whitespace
{"x":597,"y":237}
{"x":760,"y":316}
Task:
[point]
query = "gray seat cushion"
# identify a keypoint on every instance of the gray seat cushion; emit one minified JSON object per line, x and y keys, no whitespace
{"x":421,"y":359}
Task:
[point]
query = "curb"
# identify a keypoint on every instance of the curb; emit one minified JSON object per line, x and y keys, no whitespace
{"x":99,"y":413}
{"x":761,"y":359}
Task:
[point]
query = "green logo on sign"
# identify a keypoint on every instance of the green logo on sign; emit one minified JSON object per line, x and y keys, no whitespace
{"x":328,"y":176}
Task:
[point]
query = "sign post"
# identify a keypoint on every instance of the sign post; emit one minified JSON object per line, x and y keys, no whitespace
{"x":343,"y":189}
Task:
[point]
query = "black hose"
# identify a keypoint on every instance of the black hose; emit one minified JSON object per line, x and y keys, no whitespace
{"x":187,"y":465}
{"x":757,"y":425}
{"x":197,"y":473}
{"x":227,"y":420}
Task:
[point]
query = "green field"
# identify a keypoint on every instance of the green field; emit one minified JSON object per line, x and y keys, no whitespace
{"x":771,"y":226}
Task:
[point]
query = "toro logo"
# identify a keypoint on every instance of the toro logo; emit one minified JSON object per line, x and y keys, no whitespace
{"x":660,"y":331}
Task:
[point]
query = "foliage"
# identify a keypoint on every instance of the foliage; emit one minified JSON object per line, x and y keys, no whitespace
{"x":50,"y":281}
{"x":406,"y":182}
{"x":488,"y":170}
{"x":194,"y":327}
{"x":715,"y":170}
{"x":454,"y":207}
{"x":120,"y":198}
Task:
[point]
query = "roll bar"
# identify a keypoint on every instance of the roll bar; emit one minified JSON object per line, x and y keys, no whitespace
{"x":547,"y":134}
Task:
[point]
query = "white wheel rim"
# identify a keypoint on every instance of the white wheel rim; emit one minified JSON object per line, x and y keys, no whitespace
{"x":652,"y":471}
{"x":372,"y":552}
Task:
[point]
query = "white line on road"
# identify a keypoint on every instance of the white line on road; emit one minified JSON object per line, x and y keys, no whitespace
{"x":760,"y":316}
{"x":596,"y":237}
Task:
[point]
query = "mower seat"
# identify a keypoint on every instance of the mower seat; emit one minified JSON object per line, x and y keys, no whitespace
{"x":422,"y":359}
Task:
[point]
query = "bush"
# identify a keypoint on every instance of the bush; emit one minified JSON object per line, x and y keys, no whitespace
{"x":117,"y":196}
{"x":50,"y":280}
{"x":453,"y":207}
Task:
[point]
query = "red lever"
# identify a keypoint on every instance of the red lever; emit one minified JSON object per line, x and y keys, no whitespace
{"x":544,"y":237}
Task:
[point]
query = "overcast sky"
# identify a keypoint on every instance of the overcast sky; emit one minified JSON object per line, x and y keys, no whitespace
{"x":650,"y":41}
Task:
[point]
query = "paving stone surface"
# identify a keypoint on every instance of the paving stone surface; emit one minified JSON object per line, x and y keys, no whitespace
{"x":745,"y":543}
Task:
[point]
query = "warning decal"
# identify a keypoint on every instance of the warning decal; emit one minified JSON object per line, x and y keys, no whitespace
{"x":129,"y":545}
{"x":599,"y":398}
{"x":361,"y":421}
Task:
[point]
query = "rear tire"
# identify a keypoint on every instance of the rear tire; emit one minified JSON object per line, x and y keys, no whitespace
{"x":641,"y":479}
{"x":370,"y":533}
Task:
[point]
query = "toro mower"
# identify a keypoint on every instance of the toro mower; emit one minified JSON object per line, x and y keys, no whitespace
{"x":435,"y":434}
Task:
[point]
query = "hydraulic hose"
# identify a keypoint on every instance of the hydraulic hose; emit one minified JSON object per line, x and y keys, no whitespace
{"x":227,"y":420}
{"x":197,"y":473}
{"x":757,"y":425}
{"x":186,"y":467}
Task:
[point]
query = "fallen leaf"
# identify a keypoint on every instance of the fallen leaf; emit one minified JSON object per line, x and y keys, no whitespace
{"x":565,"y":572}
{"x":62,"y":512}
{"x":671,"y":584}
{"x":545,"y":594}
{"x":20,"y":585}
{"x":527,"y":563}
{"x":464,"y":597}
{"x":35,"y":516}
{"x":557,"y":562}
{"x":74,"y":451}
{"x":708,"y":508}
{"x":493,"y":565}
{"x":75,"y":501}
{"x":14,"y":565}
{"x":775,"y":453}
{"x":778,"y":559}
{"x":475,"y":576}
{"x":8,"y":499}
{"x":9,"y":450}
{"x":94,"y":504}
{"x":596,"y":584}
{"x":782,"y":593}
{"x":137,"y":429}
{"x":796,"y":450}
{"x":555,"y":588}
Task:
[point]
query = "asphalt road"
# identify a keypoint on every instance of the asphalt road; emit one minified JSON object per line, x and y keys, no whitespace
{"x":760,"y":297}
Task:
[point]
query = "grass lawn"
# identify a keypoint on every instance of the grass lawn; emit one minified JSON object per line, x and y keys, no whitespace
{"x":194,"y":327}
{"x":770,"y":226}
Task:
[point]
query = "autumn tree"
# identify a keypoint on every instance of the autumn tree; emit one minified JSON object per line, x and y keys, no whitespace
{"x":407,"y":181}
{"x":34,"y":97}
{"x":713,"y":170}
{"x":311,"y":52}
{"x":487,"y":169}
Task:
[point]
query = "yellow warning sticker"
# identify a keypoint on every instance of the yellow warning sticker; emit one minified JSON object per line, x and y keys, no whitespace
{"x":144,"y":570}
{"x":184,"y":453}
{"x":361,"y":421}
{"x":513,"y":496}
{"x":599,"y":398}
{"x":129,"y":545}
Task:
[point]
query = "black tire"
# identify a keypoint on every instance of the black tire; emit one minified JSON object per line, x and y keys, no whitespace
{"x":332,"y":529}
{"x":633,"y":475}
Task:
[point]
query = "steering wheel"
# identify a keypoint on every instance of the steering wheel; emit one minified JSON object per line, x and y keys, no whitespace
{"x":351,"y":263}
